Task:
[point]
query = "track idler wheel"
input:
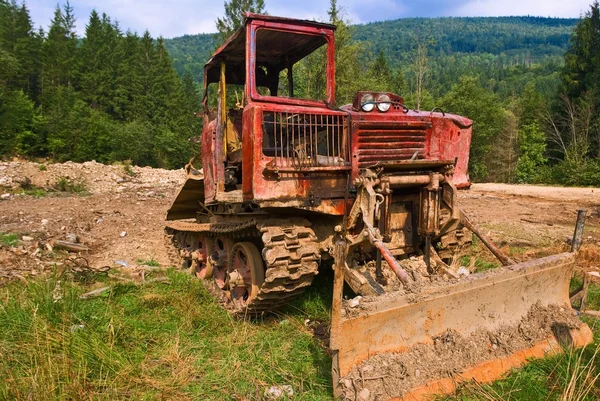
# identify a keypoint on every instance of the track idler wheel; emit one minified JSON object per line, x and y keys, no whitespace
{"x":246,"y":273}
{"x":218,"y":251}
{"x":200,"y":267}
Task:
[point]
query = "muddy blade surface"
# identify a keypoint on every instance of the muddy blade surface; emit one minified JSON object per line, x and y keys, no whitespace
{"x":185,"y":204}
{"x":488,"y":301}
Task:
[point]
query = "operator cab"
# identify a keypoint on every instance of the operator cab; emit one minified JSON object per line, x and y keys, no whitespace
{"x":267,"y":61}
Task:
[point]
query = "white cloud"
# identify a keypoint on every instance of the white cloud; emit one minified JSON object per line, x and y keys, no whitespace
{"x":542,"y":8}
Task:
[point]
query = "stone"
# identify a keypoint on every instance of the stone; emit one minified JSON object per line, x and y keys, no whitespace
{"x":364,"y":394}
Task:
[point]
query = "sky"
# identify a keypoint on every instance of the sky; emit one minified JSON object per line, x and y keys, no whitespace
{"x":171,"y":18}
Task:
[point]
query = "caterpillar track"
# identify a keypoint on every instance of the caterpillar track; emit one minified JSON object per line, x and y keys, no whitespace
{"x":290,"y":254}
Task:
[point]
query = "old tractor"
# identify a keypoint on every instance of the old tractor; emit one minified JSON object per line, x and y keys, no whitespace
{"x":292,"y":183}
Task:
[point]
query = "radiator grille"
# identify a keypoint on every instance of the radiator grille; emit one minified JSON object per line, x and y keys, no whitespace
{"x":389,"y":143}
{"x":303,"y":140}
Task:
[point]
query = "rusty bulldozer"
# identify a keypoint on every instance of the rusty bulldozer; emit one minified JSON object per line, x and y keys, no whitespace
{"x":291,"y":183}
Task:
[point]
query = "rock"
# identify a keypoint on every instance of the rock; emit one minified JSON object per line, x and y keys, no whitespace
{"x":277,"y":392}
{"x":72,"y":238}
{"x":417,"y":373}
{"x":364,"y":394}
{"x":5,"y":196}
{"x":5,"y":181}
{"x":463,"y":271}
{"x":347,"y":383}
{"x":44,"y":222}
{"x":27,"y":238}
{"x":123,"y":234}
{"x":76,"y":327}
{"x":354,"y":302}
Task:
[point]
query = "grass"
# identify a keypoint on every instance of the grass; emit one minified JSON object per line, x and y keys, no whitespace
{"x":150,"y":342}
{"x":173,"y":341}
{"x":571,"y":376}
{"x":36,"y":192}
{"x":71,"y":185}
{"x":9,"y":239}
{"x":128,"y":169}
{"x":148,"y":262}
{"x":477,"y":265}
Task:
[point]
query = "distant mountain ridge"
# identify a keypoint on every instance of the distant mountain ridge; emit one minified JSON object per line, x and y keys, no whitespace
{"x":489,"y":42}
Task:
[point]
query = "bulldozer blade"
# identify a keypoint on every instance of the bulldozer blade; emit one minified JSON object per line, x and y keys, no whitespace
{"x":490,"y":300}
{"x":185,"y":205}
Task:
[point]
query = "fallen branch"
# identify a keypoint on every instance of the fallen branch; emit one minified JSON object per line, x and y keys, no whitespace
{"x":99,"y":291}
{"x":94,"y":293}
{"x":69,"y":246}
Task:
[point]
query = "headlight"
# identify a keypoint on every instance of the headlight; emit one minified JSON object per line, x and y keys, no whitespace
{"x":383,"y":102}
{"x":367,"y":102}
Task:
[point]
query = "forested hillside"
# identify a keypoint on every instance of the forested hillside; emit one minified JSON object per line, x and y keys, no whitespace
{"x":531,"y":85}
{"x":504,"y":52}
{"x":109,"y":96}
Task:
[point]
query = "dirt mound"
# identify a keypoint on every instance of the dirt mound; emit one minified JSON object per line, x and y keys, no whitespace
{"x":97,"y":178}
{"x":391,"y":375}
{"x":118,"y":215}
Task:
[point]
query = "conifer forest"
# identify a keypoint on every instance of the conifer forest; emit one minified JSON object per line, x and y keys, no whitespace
{"x":530,"y":84}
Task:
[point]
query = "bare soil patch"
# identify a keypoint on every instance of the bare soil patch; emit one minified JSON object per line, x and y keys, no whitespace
{"x":120,"y":218}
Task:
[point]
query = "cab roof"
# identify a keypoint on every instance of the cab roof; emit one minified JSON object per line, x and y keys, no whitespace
{"x":287,"y":40}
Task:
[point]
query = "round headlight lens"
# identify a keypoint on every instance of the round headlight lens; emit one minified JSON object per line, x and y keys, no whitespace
{"x":367,"y":102}
{"x":384,"y":102}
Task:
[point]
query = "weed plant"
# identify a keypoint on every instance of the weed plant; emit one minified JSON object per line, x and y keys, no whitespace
{"x":9,"y":239}
{"x":71,"y":185}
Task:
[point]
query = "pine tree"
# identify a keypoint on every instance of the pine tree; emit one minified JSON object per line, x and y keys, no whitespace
{"x":234,"y":16}
{"x":92,"y":58}
{"x":581,"y":73}
{"x":582,"y":60}
{"x":129,"y":84}
{"x":349,"y":77}
{"x":399,"y":82}
{"x":530,"y":106}
{"x":380,"y":74}
{"x":142,"y":101}
{"x":59,"y":50}
{"x":25,"y":49}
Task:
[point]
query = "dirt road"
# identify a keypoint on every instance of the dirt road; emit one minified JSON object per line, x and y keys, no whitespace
{"x":120,"y":214}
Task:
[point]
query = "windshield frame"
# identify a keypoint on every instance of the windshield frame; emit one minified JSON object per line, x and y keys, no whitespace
{"x":251,"y":88}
